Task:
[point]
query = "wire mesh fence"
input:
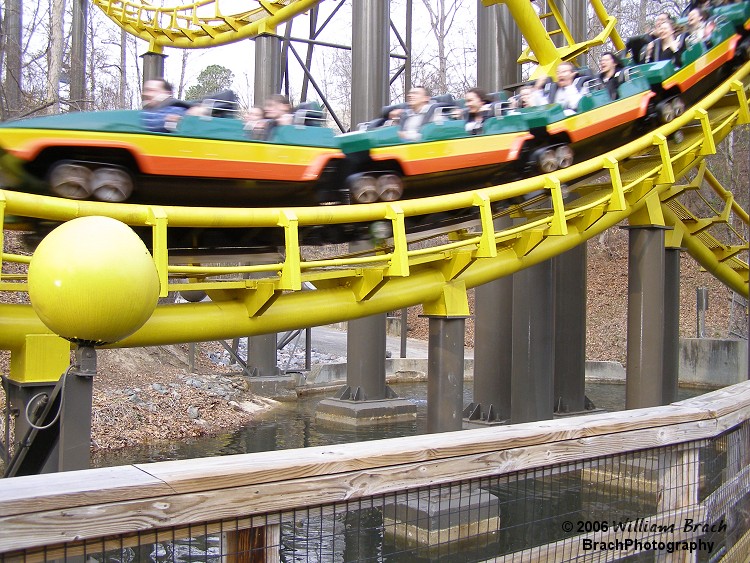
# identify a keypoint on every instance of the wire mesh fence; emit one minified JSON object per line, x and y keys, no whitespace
{"x":686,"y":502}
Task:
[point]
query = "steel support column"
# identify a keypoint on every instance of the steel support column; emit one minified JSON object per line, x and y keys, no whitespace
{"x":493,"y":350}
{"x":366,"y":339}
{"x":493,"y":330}
{"x":261,"y":355}
{"x":498,"y":46}
{"x":370,"y":58}
{"x":75,"y":412}
{"x":366,"y":398}
{"x":645,"y":348}
{"x":671,"y":325}
{"x":267,"y":67}
{"x":153,"y":66}
{"x":570,"y":330}
{"x":365,"y":357}
{"x":532,"y":393}
{"x":78,"y":55}
{"x":445,"y":374}
{"x":261,"y":350}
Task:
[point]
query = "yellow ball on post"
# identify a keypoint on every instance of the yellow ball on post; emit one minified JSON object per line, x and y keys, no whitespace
{"x":93,"y":281}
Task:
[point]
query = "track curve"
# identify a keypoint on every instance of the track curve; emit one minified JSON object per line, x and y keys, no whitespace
{"x":200,"y":24}
{"x":644,"y":182}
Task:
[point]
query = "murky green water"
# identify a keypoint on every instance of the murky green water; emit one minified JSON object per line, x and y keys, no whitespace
{"x":360,"y":535}
{"x":293,"y":425}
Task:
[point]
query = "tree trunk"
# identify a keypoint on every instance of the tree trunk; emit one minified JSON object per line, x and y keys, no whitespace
{"x":123,"y":68}
{"x":55,"y":54}
{"x":12,"y":81}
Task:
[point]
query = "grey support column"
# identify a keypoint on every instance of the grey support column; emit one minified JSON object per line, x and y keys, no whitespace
{"x":370,"y":58}
{"x":493,"y":331}
{"x":498,"y":47}
{"x":497,"y":37}
{"x":671,"y":325}
{"x":365,"y":358}
{"x":267,"y":67}
{"x":445,"y":374}
{"x":645,"y":349}
{"x":366,"y":342}
{"x":153,"y":65}
{"x":261,"y":355}
{"x":532,"y":395}
{"x":261,"y":349}
{"x":75,"y":414}
{"x":367,"y":399}
{"x":570,"y":330}
{"x":78,"y":55}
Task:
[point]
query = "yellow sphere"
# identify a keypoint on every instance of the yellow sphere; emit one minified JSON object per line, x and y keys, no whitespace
{"x":93,"y":280}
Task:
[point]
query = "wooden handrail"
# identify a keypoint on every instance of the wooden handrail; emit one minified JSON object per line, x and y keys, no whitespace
{"x":66,"y":507}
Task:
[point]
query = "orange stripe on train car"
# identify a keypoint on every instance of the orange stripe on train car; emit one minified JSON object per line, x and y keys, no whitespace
{"x":585,"y":125}
{"x":689,"y":76}
{"x":197,"y":167}
{"x":454,"y":160}
{"x":160,"y":164}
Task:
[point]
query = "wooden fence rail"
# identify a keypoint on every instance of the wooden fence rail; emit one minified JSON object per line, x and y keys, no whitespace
{"x":79,"y":506}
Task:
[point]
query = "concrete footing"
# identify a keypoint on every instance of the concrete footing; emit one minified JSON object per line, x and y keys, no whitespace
{"x":366,"y":413}
{"x":443,"y":516}
{"x":279,"y":388}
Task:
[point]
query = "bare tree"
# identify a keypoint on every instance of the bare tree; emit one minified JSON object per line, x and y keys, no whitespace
{"x":123,"y":68}
{"x":12,"y":54}
{"x":55,"y":54}
{"x":183,"y":71}
{"x":442,"y":14}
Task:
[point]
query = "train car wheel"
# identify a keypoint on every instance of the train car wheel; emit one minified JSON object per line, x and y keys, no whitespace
{"x":71,"y":181}
{"x":678,"y":107}
{"x":111,"y":185}
{"x":548,"y":161}
{"x":666,"y":111}
{"x":390,"y":187}
{"x":564,"y":155}
{"x":363,"y":188}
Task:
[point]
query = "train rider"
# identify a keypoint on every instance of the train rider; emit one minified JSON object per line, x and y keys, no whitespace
{"x":160,"y":110}
{"x":667,"y":46}
{"x":610,"y":72}
{"x":635,"y":45}
{"x":420,"y":106}
{"x":252,"y":118}
{"x":564,"y":91}
{"x":698,"y":29}
{"x":477,"y":109}
{"x":276,"y":111}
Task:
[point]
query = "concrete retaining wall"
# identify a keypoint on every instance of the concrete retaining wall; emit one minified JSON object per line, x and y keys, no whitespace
{"x":705,"y":362}
{"x":713,"y":362}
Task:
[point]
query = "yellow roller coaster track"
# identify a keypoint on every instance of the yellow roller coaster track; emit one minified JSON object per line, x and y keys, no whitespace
{"x":653,"y":180}
{"x":200,"y":24}
{"x":644,"y":182}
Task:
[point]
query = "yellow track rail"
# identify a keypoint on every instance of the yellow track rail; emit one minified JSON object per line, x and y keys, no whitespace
{"x":652,"y":180}
{"x":202,"y":23}
{"x":643,"y":182}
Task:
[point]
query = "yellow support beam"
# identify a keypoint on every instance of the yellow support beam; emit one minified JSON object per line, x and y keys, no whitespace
{"x":42,"y":358}
{"x":453,"y":302}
